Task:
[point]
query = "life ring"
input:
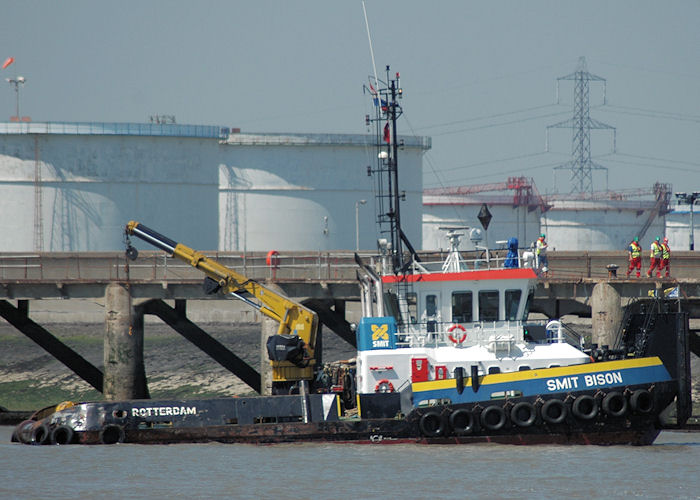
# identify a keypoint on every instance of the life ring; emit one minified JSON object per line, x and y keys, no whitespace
{"x":111,"y":434}
{"x":462,"y":422}
{"x":523,"y":414}
{"x":641,"y":402}
{"x":432,"y":424}
{"x":553,"y":411}
{"x":384,"y":386}
{"x":493,"y":418}
{"x":273,"y":259}
{"x":62,"y":434}
{"x":585,"y":407}
{"x":614,"y":404}
{"x":457,"y":327}
{"x":41,"y":434}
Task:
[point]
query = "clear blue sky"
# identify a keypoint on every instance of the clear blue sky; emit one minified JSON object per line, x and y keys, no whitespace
{"x":479,"y":76}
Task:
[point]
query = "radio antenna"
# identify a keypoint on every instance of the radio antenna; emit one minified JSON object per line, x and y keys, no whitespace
{"x":371,"y":49}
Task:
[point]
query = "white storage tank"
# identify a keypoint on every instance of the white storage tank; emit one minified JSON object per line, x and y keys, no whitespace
{"x":199,"y":185}
{"x":305,"y":191}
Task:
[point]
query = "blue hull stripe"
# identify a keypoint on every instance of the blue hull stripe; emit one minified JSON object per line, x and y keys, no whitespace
{"x":542,"y":384}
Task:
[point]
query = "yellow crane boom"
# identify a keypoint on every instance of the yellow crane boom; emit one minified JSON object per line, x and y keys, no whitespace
{"x":295,"y":320}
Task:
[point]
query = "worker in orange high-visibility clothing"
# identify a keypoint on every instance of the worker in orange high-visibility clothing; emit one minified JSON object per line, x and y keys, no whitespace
{"x":656,"y":252}
{"x":635,"y":257}
{"x":665,"y":258}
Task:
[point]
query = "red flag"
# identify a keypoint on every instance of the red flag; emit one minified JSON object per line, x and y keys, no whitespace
{"x":7,"y":62}
{"x":387,"y":135}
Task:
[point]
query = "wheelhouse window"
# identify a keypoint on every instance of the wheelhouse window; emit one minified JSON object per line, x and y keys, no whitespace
{"x":526,"y":311}
{"x":462,"y":307}
{"x":488,"y":305}
{"x":431,"y":309}
{"x":512,"y":303}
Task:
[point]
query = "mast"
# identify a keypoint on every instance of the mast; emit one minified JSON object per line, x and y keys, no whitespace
{"x":389,"y":197}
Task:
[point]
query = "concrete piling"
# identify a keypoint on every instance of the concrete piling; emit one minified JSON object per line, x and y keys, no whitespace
{"x":124,"y":373}
{"x":606,"y":314}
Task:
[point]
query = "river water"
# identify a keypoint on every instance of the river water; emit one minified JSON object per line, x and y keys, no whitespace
{"x":668,"y":469}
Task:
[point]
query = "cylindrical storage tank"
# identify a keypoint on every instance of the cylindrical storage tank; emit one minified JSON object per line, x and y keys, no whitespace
{"x":74,"y":186}
{"x":305,"y":191}
{"x":86,"y":181}
{"x":600,"y":225}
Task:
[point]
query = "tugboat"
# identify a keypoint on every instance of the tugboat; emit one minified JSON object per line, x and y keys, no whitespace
{"x":445,"y":354}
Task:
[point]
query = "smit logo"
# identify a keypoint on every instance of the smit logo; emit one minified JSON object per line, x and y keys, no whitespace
{"x":380,"y":335}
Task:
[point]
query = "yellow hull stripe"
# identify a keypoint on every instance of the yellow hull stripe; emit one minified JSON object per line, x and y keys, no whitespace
{"x":562,"y":371}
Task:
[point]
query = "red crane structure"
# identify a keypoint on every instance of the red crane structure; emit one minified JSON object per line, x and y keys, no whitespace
{"x":525,"y":192}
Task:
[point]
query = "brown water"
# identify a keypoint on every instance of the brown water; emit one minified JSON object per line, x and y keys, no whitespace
{"x":667,"y":469}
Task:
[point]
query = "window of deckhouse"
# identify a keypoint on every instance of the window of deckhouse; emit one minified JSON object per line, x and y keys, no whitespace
{"x":488,"y":305}
{"x":512,"y":303}
{"x":462,"y":307}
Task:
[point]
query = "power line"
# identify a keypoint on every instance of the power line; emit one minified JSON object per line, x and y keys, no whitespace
{"x":486,"y":117}
{"x":470,"y":129}
{"x":660,"y":159}
{"x":498,"y":160}
{"x":628,"y":110}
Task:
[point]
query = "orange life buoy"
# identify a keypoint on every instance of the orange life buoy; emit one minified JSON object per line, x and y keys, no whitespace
{"x":457,"y":327}
{"x":273,"y":259}
{"x":384,"y":386}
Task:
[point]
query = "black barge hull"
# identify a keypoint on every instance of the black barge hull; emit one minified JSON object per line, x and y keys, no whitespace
{"x":628,"y":415}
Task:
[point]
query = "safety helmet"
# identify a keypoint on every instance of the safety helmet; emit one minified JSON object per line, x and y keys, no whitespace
{"x":665,"y":240}
{"x":636,"y":238}
{"x":542,"y":235}
{"x":658,"y":239}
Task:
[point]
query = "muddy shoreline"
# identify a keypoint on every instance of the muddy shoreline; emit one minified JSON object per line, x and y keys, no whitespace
{"x":175,"y":368}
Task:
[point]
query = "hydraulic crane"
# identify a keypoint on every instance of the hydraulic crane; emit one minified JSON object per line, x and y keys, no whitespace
{"x":291,"y":351}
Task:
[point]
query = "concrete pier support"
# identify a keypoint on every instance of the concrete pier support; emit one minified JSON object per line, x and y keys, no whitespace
{"x":124,"y":373}
{"x":268,"y":327}
{"x":606,"y":314}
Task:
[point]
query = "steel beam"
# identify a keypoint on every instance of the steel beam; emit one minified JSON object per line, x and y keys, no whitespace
{"x":18,"y":317}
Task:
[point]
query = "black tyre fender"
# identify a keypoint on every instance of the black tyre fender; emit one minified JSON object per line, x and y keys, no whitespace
{"x":493,"y":418}
{"x":432,"y":424}
{"x":523,"y":414}
{"x":614,"y":404}
{"x":24,"y":431}
{"x":553,"y":411}
{"x":585,"y":407}
{"x":642,"y":402}
{"x":41,"y":434}
{"x":111,"y":434}
{"x":62,"y":434}
{"x":462,"y":422}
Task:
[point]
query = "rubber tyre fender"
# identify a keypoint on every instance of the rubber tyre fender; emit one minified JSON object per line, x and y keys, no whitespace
{"x":518,"y":409}
{"x":485,"y":418}
{"x":112,"y":434}
{"x":62,"y":434}
{"x":432,"y":424}
{"x":615,"y":404}
{"x":41,"y":434}
{"x":462,"y":422}
{"x":23,"y":431}
{"x":559,"y":409}
{"x":585,"y":407}
{"x":641,"y":401}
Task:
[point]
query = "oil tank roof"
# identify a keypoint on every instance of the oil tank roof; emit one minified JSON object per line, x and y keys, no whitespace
{"x":106,"y":128}
{"x":280,"y":139}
